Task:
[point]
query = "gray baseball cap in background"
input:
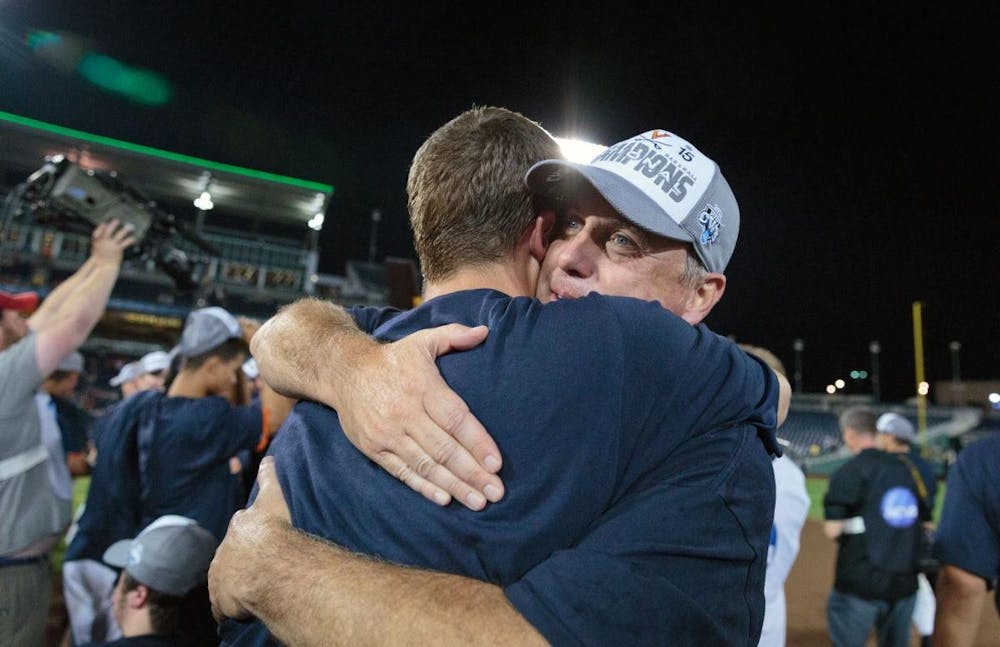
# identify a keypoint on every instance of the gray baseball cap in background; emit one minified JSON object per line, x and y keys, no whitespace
{"x":72,"y":363}
{"x":126,"y":373}
{"x":170,"y":555}
{"x":155,"y":361}
{"x":205,"y":329}
{"x":896,"y":425}
{"x":662,"y":183}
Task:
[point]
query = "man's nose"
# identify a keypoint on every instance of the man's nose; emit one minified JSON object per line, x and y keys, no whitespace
{"x":578,"y":256}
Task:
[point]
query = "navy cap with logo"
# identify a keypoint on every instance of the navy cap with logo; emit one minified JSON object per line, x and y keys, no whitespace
{"x":660,"y":182}
{"x":171,"y":555}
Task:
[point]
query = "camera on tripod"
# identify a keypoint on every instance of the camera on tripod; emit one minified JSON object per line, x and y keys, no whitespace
{"x":68,"y":197}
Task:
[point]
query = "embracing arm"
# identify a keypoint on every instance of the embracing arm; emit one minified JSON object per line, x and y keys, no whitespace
{"x":392,"y":402}
{"x":306,"y":590}
{"x":960,"y":596}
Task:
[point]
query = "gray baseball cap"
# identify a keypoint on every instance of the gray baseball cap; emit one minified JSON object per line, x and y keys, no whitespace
{"x":155,"y":361}
{"x":171,"y":555}
{"x":896,"y":425}
{"x":205,"y":329}
{"x":126,"y":373}
{"x":662,"y":183}
{"x":72,"y":363}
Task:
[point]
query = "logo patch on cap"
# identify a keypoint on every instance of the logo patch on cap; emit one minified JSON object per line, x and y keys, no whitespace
{"x":710,"y":220}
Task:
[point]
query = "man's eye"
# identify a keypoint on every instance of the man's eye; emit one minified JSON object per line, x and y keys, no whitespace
{"x":621,"y":240}
{"x":568,"y":225}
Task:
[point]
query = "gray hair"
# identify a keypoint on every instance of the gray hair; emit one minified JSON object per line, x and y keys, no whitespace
{"x":860,"y":419}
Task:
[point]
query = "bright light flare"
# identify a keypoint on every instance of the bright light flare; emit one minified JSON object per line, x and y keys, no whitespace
{"x":840,"y":384}
{"x":204,"y":201}
{"x":995,"y":398}
{"x":578,"y":150}
{"x":831,"y":389}
{"x":923,"y":388}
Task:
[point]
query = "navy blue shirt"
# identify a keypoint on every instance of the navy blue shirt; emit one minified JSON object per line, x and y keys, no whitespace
{"x":639,"y":494}
{"x":74,"y":425}
{"x":968,"y":534}
{"x":181,"y":467}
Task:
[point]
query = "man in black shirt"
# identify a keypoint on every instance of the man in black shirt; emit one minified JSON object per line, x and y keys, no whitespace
{"x":874,"y":513}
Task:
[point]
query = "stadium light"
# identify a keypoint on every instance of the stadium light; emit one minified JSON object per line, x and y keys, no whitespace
{"x":204,"y":201}
{"x":831,"y":389}
{"x":840,"y":384}
{"x":578,"y":150}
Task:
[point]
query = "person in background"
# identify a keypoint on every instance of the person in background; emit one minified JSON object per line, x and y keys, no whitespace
{"x":125,"y":380}
{"x":967,"y":544}
{"x":74,"y":422}
{"x":897,"y":436}
{"x":874,"y":513}
{"x":164,"y":563}
{"x":35,"y":496}
{"x":791,"y":507}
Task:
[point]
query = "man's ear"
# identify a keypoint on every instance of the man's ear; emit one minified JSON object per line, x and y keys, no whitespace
{"x":701,"y":300}
{"x":138,"y":597}
{"x":541,"y":234}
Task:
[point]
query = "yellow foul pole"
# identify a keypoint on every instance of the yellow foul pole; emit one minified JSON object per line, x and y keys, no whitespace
{"x":918,"y":362}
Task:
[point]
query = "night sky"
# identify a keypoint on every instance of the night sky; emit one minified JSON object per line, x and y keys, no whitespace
{"x":861,"y":143}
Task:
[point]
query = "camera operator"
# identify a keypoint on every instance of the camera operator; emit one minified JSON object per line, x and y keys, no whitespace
{"x":35,"y":492}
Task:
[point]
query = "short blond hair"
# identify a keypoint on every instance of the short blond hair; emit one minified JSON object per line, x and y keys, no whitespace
{"x":467,"y":198}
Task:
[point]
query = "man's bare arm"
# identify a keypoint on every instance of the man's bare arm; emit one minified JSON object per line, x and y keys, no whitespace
{"x":311,"y":592}
{"x":65,"y":324}
{"x":392,"y":402}
{"x":833,"y":529}
{"x":960,"y":596}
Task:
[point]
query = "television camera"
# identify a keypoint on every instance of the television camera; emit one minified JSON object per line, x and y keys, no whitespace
{"x":70,"y":198}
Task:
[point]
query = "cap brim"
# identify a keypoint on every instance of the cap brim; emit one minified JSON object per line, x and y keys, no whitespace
{"x":117,"y":553}
{"x":25,"y":302}
{"x":559,"y":178}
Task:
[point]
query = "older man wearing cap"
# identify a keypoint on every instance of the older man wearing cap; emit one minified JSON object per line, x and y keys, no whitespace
{"x":34,"y":498}
{"x":876,"y":506}
{"x":625,"y":516}
{"x":169,"y":453}
{"x":165,"y":562}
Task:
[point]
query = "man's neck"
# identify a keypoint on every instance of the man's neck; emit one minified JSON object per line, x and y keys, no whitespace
{"x":188,"y":384}
{"x":502,"y":277}
{"x":136,"y":623}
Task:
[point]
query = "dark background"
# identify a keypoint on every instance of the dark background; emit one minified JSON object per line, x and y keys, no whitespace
{"x":861,"y":142}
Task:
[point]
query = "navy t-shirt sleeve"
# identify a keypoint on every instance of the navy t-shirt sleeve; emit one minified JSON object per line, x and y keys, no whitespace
{"x":242,"y":429}
{"x":968,"y":534}
{"x":368,"y":318}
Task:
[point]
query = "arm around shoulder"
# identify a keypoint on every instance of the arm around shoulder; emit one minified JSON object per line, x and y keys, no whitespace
{"x":960,"y":596}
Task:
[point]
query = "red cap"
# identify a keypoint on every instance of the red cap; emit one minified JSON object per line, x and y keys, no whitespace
{"x":20,"y":301}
